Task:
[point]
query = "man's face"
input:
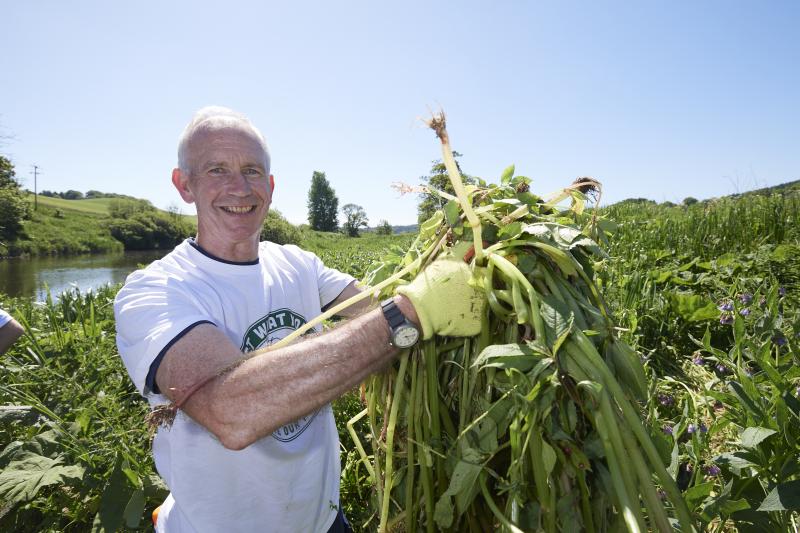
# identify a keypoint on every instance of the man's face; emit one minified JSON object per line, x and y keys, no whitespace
{"x":230,"y":185}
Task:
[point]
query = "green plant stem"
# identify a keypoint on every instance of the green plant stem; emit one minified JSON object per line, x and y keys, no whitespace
{"x":389,"y":466}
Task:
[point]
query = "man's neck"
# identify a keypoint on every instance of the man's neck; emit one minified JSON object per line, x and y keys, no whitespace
{"x":235,"y":252}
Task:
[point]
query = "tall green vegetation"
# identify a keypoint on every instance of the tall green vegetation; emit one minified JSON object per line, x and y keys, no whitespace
{"x":430,"y":202}
{"x":13,"y":208}
{"x":279,"y":230}
{"x":323,"y":205}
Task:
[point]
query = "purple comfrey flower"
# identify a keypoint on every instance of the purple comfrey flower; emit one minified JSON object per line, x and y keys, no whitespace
{"x":719,"y":405}
{"x":668,"y":429}
{"x":726,"y":307}
{"x":744,"y":312}
{"x":722,"y":369}
{"x":713,"y":470}
{"x":698,"y":360}
{"x":781,"y":291}
{"x":779,"y":340}
{"x":690,"y":429}
{"x":666,"y":400}
{"x":763,"y":301}
{"x":703,"y":428}
{"x":746,"y":298}
{"x":726,"y":319}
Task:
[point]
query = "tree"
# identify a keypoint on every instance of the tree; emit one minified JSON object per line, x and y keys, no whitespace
{"x":384,"y":228}
{"x":323,"y":205}
{"x":355,"y":218}
{"x":8,"y":178}
{"x":13,"y":205}
{"x":689,"y":200}
{"x":438,"y":179}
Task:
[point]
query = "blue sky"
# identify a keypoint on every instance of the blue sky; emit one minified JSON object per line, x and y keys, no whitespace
{"x":661,"y":100}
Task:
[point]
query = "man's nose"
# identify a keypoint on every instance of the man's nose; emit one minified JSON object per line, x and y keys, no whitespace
{"x":239,"y":184}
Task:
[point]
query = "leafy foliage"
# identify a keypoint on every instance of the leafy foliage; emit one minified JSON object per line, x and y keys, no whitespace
{"x":355,"y":218}
{"x":430,"y":202}
{"x":279,"y":230}
{"x":384,"y":228}
{"x":13,"y":208}
{"x":323,"y":205}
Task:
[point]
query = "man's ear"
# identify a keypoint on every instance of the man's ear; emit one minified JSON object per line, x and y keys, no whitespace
{"x":271,"y":183}
{"x":181,"y":182}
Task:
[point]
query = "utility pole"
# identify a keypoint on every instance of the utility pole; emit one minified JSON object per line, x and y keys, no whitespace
{"x":35,"y":192}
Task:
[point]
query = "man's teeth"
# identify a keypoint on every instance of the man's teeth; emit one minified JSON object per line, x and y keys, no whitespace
{"x":238,"y":209}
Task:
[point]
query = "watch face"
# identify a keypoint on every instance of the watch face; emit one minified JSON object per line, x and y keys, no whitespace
{"x":405,"y":336}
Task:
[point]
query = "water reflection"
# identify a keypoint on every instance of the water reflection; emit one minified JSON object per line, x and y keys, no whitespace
{"x":31,"y":277}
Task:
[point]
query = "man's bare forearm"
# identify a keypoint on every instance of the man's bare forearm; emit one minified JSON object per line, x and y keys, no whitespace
{"x":265,"y":392}
{"x":9,"y":333}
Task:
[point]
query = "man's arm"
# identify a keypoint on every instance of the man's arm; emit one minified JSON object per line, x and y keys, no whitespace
{"x":356,"y":309}
{"x":267,"y":391}
{"x":9,"y":333}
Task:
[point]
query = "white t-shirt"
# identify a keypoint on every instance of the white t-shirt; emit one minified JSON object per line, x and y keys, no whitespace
{"x":5,"y":318}
{"x":288,"y":481}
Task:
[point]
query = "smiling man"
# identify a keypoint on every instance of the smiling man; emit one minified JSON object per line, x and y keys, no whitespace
{"x":256,"y":448}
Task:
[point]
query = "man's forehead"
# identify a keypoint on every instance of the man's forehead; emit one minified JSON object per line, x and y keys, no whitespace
{"x":217,"y":142}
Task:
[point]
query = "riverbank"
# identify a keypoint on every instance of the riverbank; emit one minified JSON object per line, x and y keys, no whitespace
{"x":104,"y":225}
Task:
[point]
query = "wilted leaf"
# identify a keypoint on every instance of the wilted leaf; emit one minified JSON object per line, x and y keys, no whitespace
{"x":22,"y":479}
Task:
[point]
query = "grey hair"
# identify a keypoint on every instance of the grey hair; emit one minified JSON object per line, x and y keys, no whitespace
{"x":212,"y":118}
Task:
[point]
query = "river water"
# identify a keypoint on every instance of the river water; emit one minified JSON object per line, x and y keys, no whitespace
{"x":30,"y":278}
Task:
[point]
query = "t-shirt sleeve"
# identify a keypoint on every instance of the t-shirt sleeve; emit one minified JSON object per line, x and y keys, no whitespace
{"x":5,"y":318}
{"x":152,"y":312}
{"x":330,"y":281}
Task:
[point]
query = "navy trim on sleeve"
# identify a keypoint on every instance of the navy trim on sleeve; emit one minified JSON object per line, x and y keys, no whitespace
{"x":150,"y":380}
{"x":328,"y":305}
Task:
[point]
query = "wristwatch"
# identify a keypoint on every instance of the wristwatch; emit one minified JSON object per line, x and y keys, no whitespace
{"x":402,"y":332}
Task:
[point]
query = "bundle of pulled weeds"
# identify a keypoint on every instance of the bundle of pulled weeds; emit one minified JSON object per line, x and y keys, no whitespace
{"x":534,"y":424}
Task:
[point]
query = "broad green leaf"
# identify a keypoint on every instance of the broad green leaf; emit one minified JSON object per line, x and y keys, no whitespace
{"x":733,"y":461}
{"x":507,"y":174}
{"x":451,"y":211}
{"x":519,"y":356}
{"x":443,"y":512}
{"x":113,"y":502}
{"x":557,"y":318}
{"x":134,"y":509}
{"x":509,"y":231}
{"x":752,"y":437}
{"x":24,"y":476}
{"x":746,"y":401}
{"x":696,"y":494}
{"x":548,"y":457}
{"x":693,"y":307}
{"x":784,"y":497}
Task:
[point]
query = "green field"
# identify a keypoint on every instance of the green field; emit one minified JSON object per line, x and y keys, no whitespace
{"x":706,"y":293}
{"x":97,"y":206}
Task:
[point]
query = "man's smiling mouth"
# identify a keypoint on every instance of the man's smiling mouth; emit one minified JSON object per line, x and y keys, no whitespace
{"x":238,"y":210}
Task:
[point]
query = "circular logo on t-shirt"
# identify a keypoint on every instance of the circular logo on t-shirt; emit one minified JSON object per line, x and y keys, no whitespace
{"x":267,"y":330}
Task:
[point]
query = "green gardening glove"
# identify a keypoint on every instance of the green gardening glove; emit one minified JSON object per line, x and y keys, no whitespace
{"x":445,"y":302}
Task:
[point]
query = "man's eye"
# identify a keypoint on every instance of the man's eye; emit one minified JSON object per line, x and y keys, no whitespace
{"x":251,"y":172}
{"x":216,"y":170}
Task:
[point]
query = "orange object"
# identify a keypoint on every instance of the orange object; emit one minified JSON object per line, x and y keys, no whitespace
{"x":155,"y":515}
